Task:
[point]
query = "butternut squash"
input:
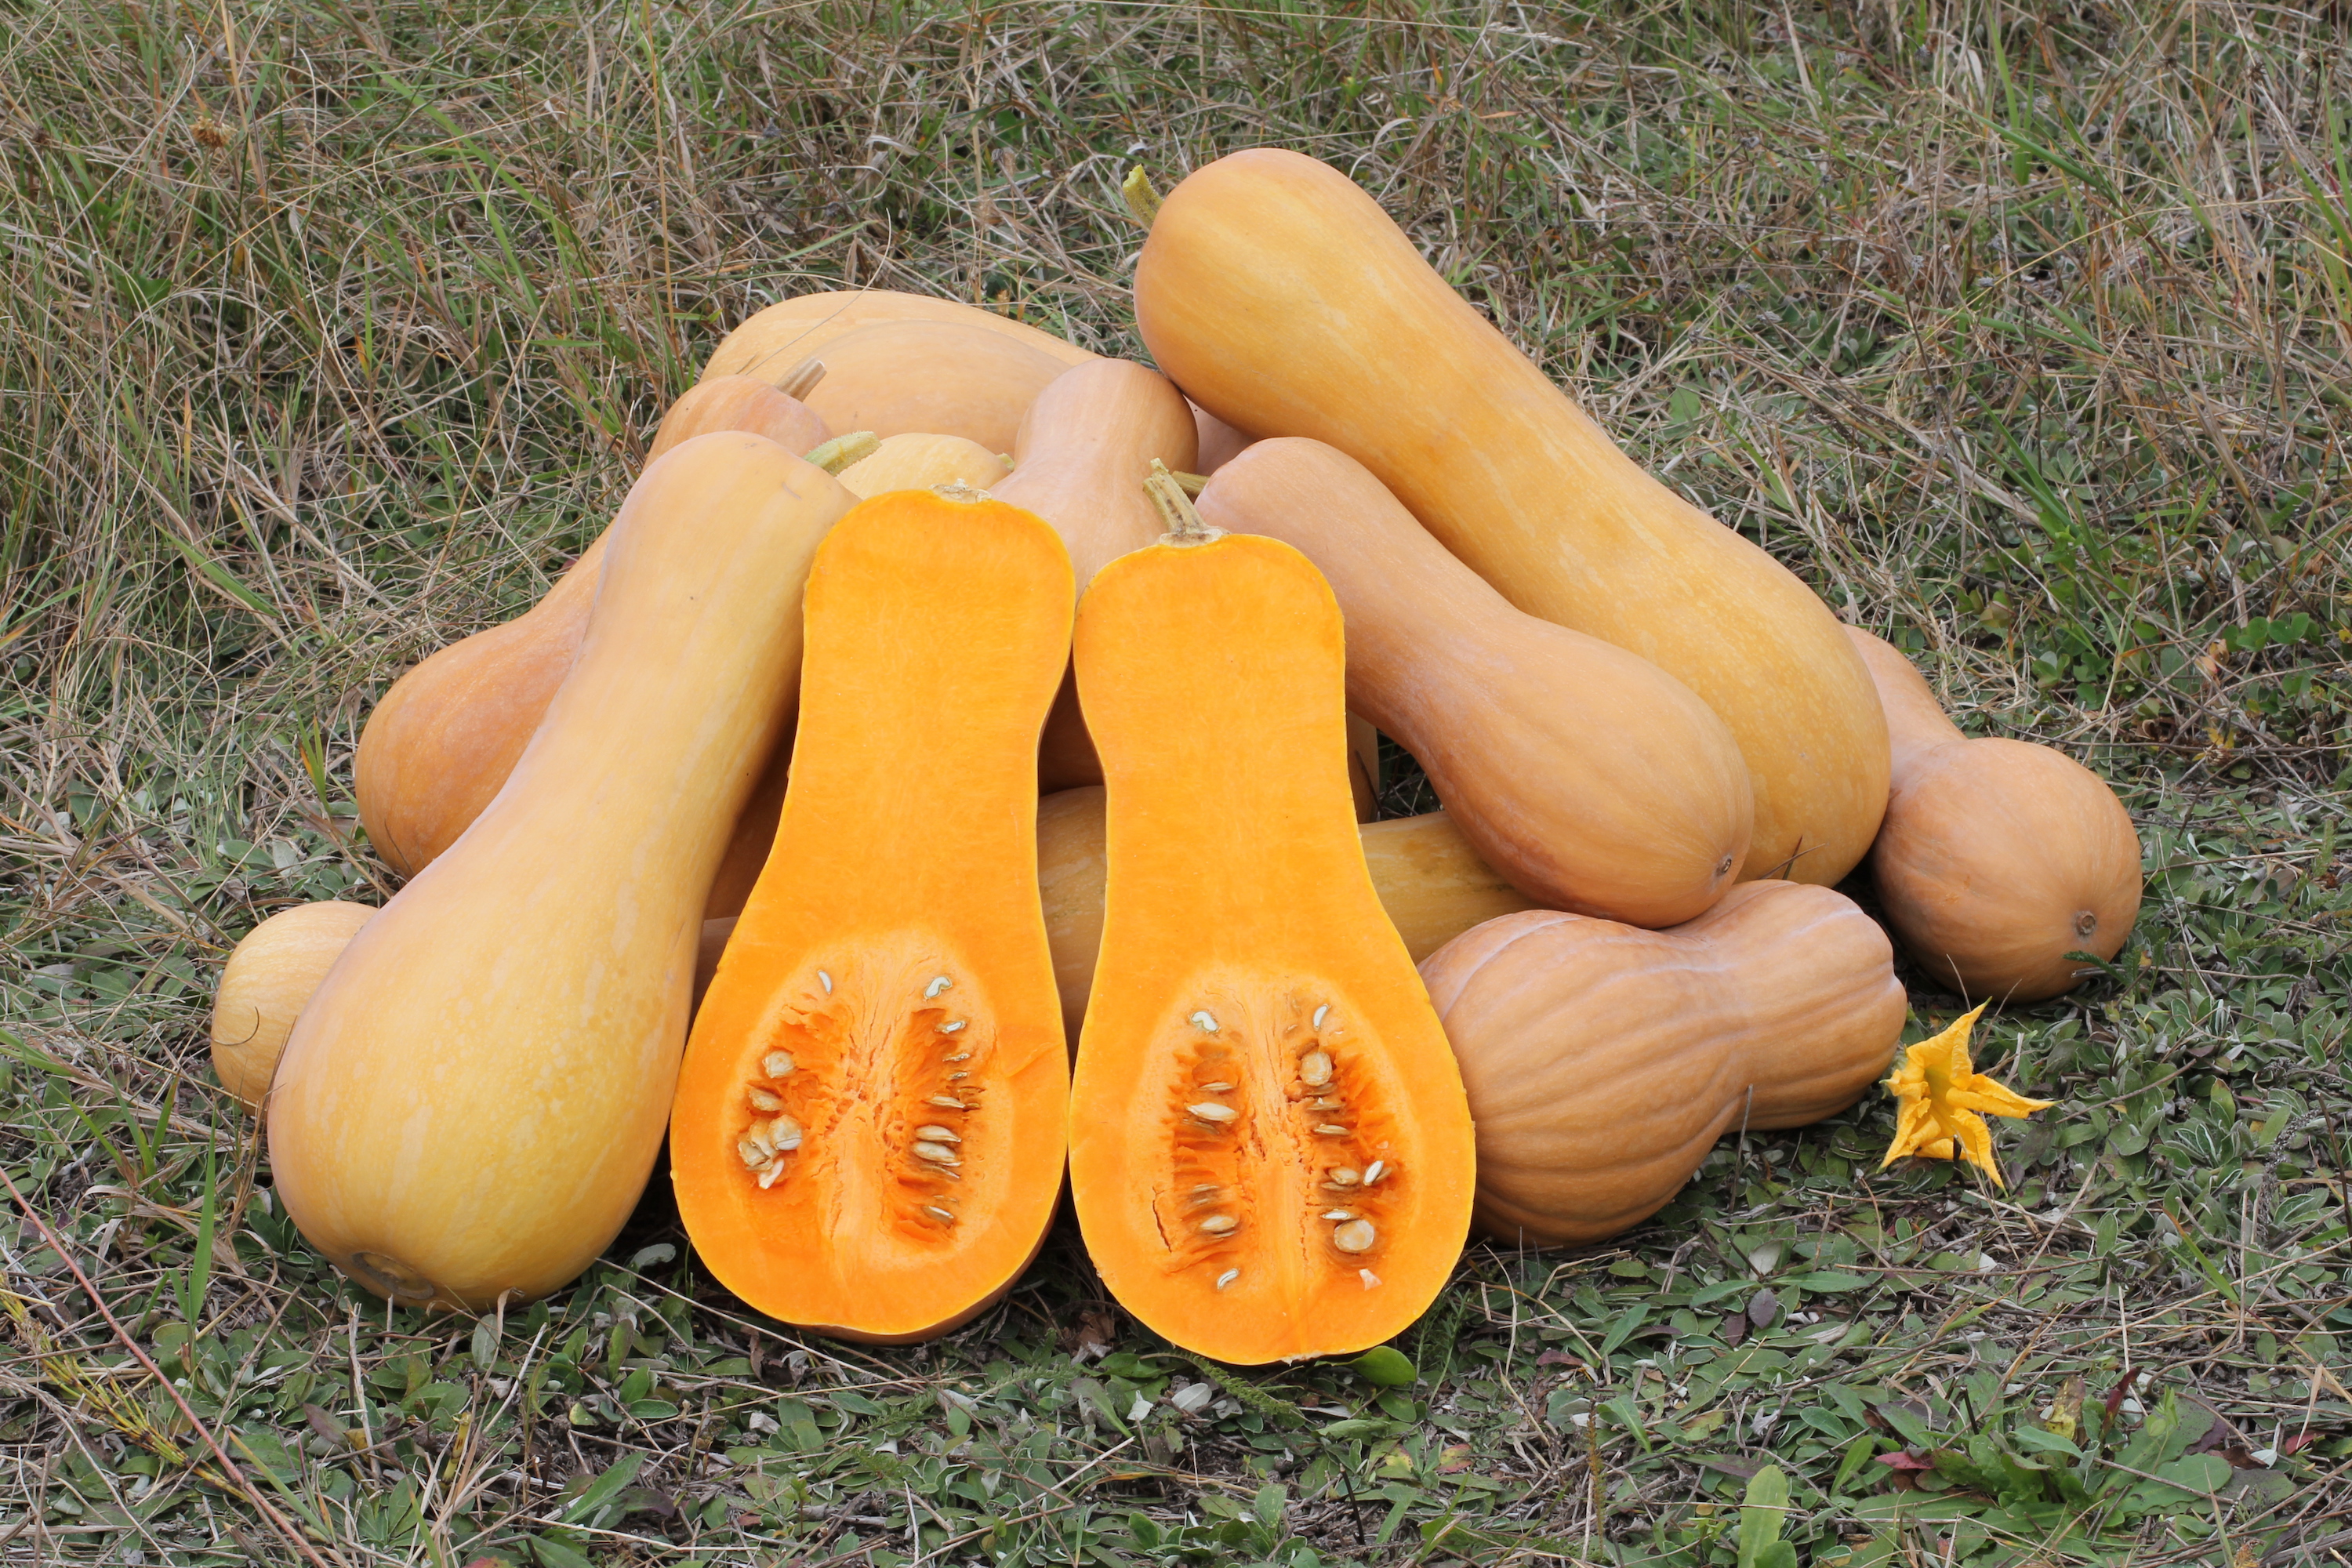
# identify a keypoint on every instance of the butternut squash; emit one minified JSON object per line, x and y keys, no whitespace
{"x":868,"y":1134}
{"x":1284,"y":301}
{"x":1219,"y":442}
{"x":470,"y":1104}
{"x":1997,"y":858}
{"x":1270,"y":1155}
{"x":769,"y":344}
{"x":1591,"y":779}
{"x":440,"y":743}
{"x":1430,"y":881}
{"x":270,"y":978}
{"x":917,"y":461}
{"x":940,"y":378}
{"x":1084,"y":452}
{"x":1604,"y":1061}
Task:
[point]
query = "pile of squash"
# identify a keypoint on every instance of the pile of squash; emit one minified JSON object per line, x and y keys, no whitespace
{"x":952,"y":770}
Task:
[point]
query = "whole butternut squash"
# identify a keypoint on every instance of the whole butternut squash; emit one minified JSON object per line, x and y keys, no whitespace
{"x":1270,"y":1156}
{"x":1283,"y":301}
{"x":270,"y":978}
{"x":940,"y":378}
{"x":1219,"y":442}
{"x":1084,"y":452}
{"x":917,"y":461}
{"x":1430,"y":881}
{"x":1592,"y":780}
{"x":471,"y":1102}
{"x":440,"y":743}
{"x":868,"y":1133}
{"x":1602,"y":1061}
{"x":769,"y":344}
{"x":1997,"y":858}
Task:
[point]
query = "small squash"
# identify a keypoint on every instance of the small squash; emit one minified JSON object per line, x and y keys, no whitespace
{"x":1997,"y":858}
{"x":1430,"y":881}
{"x":1591,"y":779}
{"x":769,"y":344}
{"x":918,"y":461}
{"x":472,"y":1101}
{"x":1084,"y":452}
{"x":941,"y":378}
{"x":440,"y":743}
{"x":1270,"y":1155}
{"x":270,"y":977}
{"x":1604,"y":1061}
{"x":868,"y":1133}
{"x":1282,"y":300}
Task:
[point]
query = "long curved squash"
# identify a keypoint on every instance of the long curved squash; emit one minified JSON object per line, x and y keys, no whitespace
{"x":770,"y":343}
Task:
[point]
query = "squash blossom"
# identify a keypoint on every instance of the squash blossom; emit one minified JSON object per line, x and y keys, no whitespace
{"x":1940,"y":1097}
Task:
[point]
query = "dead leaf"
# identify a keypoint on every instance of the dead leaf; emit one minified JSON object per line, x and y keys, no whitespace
{"x":1762,"y":1308}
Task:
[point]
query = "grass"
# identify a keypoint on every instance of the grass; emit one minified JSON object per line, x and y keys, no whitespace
{"x":332,"y":330}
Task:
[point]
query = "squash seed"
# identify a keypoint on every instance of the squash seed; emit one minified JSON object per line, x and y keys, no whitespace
{"x":939,"y":1213}
{"x":784,"y":1134}
{"x":1329,"y":1130}
{"x":1326,"y":1102}
{"x":777,"y":1063}
{"x":1210,"y":1110}
{"x":1315,"y":1069}
{"x":1343,"y":1176}
{"x":825,"y":980}
{"x":768,"y":1177}
{"x":1372,"y":1280}
{"x":947,"y":1102}
{"x":958,"y":1077}
{"x":1356,"y":1236}
{"x":1218,"y":1088}
{"x":1220,"y":1225}
{"x":1205,"y":1020}
{"x":762,"y":1100}
{"x":1339,"y":1214}
{"x":959,"y":1056}
{"x":1320,"y":1014}
{"x":940,"y":1154}
{"x":1226,"y":1279}
{"x":753,"y":1152}
{"x":939,"y":983}
{"x":936,"y":1134}
{"x":951,"y":1028}
{"x":1375,"y":1171}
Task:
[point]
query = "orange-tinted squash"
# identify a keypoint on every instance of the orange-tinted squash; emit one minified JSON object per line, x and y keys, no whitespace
{"x":868,"y":1133}
{"x":1997,"y":858}
{"x":1604,"y":1061}
{"x":270,"y":978}
{"x":1282,"y":300}
{"x":1270,"y":1154}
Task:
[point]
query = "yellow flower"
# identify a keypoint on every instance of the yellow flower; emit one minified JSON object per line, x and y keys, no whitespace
{"x":1940,"y":1096}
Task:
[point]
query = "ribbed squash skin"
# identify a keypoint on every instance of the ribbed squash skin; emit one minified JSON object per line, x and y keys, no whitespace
{"x":1244,"y":961}
{"x":770,"y":343}
{"x":937,"y":378}
{"x":1084,"y":450}
{"x":917,"y":461}
{"x":1282,"y":300}
{"x":1591,"y":779}
{"x":439,"y":744}
{"x":471,"y":1102}
{"x":1604,"y":1061}
{"x":1997,"y":858}
{"x":893,"y":951}
{"x":270,"y":977}
{"x":1431,"y":884}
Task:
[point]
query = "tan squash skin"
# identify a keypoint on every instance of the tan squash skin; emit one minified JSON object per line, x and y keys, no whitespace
{"x":1431,"y":883}
{"x":1592,"y":779}
{"x":1083,"y":455}
{"x":1282,"y":300}
{"x":1220,"y":443}
{"x":270,"y":978}
{"x":769,"y":344}
{"x":917,"y":461}
{"x":1602,"y":1061}
{"x":939,"y":378}
{"x":472,"y":1101}
{"x":439,"y":744}
{"x":1997,"y":858}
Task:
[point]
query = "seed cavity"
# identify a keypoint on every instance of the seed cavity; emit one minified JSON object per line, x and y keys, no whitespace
{"x":777,"y":1063}
{"x":1205,"y":1020}
{"x":1372,"y":1280}
{"x":1225,"y":1280}
{"x":940,"y":1154}
{"x":936,"y":1134}
{"x":939,"y":983}
{"x":825,"y":980}
{"x":1315,"y":1069}
{"x":951,"y":1028}
{"x":1210,"y":1110}
{"x":1356,"y":1236}
{"x":1220,"y":1225}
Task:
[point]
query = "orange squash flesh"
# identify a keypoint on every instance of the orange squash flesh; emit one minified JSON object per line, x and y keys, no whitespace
{"x":1271,"y":1156}
{"x":888,"y":992}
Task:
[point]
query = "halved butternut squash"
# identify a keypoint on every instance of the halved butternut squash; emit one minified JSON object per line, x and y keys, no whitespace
{"x":769,"y":344}
{"x":868,"y":1133}
{"x":1271,"y":1157}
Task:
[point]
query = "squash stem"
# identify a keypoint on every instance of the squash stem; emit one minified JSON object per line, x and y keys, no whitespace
{"x":1185,"y":525}
{"x":843,"y":450}
{"x":1141,"y":199}
{"x":801,"y":379}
